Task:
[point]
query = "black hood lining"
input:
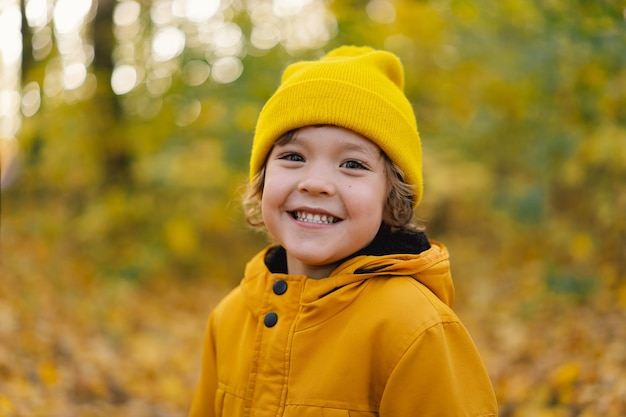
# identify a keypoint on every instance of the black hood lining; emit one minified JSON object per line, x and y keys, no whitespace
{"x":386,"y":242}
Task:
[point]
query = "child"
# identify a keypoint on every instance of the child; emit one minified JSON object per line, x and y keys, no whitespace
{"x":349,"y":313}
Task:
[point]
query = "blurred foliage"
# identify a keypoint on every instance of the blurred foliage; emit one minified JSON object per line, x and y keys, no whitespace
{"x":120,"y":231}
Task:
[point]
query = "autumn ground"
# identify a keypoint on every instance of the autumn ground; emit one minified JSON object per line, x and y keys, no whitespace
{"x":73,"y":344}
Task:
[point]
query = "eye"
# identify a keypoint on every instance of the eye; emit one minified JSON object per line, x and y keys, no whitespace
{"x":353,"y":164}
{"x":291,"y":156}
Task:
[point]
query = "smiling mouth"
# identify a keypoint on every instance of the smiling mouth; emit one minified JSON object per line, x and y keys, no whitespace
{"x":303,"y":216}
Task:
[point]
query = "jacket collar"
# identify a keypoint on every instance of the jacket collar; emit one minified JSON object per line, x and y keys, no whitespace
{"x":428,"y":264}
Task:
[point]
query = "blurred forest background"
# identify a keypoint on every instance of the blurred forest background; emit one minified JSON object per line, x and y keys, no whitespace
{"x":125,"y":129}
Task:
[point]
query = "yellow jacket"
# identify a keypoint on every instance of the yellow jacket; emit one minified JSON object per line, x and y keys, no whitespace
{"x":376,"y":338}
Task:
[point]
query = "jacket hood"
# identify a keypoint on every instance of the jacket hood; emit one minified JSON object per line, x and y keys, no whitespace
{"x":431,"y":268}
{"x":429,"y":264}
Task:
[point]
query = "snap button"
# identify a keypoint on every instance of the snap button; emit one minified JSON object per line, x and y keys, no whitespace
{"x":270,"y":319}
{"x":280,"y":287}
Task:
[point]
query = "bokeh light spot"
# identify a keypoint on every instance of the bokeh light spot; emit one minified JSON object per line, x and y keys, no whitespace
{"x":123,"y":79}
{"x":381,"y":11}
{"x":168,"y":43}
{"x":226,"y":70}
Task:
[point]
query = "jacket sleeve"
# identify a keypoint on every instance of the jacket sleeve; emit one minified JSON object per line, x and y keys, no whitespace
{"x":440,"y":374}
{"x":203,"y":402}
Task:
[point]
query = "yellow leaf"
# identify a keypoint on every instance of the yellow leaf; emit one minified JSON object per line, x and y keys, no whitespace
{"x":48,"y":373}
{"x":566,"y":374}
{"x":6,"y":406}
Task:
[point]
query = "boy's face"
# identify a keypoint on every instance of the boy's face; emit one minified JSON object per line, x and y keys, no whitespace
{"x":324,"y":196}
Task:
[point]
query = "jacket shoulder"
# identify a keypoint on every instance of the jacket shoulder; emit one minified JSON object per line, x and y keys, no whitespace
{"x":405,"y":303}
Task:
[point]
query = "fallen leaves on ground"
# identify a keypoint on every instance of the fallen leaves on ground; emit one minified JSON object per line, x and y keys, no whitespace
{"x":74,"y":345}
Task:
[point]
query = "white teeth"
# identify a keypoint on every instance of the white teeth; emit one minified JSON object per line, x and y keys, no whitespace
{"x":314,"y":218}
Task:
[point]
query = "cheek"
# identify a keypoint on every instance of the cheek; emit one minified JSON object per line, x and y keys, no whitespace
{"x":369,"y":200}
{"x":379,"y":194}
{"x":271,"y":197}
{"x":382,"y":200}
{"x":266,"y":200}
{"x":266,"y":212}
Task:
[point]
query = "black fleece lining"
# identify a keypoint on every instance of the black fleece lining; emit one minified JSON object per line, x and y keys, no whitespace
{"x":276,"y":260}
{"x":386,"y":242}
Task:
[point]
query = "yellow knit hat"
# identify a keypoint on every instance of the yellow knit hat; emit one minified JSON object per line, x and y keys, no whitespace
{"x":357,"y":88}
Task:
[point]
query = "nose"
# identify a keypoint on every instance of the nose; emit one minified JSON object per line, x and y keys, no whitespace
{"x":317,"y":182}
